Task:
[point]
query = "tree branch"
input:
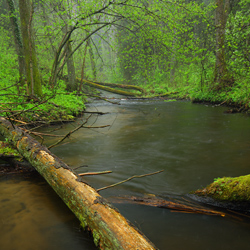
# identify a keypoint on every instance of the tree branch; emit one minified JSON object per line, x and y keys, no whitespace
{"x":130,"y":178}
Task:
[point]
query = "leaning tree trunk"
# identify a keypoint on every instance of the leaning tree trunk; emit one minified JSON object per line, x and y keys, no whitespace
{"x":31,"y":67}
{"x":109,"y":228}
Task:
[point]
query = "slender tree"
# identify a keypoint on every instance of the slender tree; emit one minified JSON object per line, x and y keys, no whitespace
{"x":222,"y":76}
{"x":34,"y":86}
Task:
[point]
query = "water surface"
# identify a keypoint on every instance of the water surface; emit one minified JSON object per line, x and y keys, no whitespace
{"x":192,"y":143}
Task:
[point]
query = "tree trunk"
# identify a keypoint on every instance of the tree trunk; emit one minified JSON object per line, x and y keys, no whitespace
{"x":18,"y":41}
{"x":71,"y":85}
{"x":92,"y":60}
{"x":221,"y":76}
{"x":32,"y":72}
{"x":109,"y":228}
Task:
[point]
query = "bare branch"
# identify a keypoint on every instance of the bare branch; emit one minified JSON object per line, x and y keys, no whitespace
{"x":130,"y":178}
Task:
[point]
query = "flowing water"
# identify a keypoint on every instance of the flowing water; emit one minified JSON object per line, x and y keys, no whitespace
{"x":192,"y":143}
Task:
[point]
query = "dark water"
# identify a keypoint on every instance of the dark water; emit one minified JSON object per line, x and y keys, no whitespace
{"x":192,"y":143}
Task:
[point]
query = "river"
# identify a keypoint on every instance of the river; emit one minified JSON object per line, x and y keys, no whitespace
{"x":192,"y":143}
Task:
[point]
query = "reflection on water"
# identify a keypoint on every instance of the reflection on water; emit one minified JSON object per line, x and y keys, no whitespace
{"x":32,"y":216}
{"x":192,"y":143}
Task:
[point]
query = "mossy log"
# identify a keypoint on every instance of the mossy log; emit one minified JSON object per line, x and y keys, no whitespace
{"x":122,"y":86}
{"x":235,"y":189}
{"x":116,"y":91}
{"x":109,"y":228}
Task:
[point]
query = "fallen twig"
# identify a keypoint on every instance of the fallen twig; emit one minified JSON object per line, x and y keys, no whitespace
{"x":130,"y":178}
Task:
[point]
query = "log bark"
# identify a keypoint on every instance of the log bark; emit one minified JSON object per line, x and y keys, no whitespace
{"x":109,"y":228}
{"x":116,"y":91}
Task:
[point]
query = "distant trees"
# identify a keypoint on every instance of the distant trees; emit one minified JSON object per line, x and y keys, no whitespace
{"x":143,"y":42}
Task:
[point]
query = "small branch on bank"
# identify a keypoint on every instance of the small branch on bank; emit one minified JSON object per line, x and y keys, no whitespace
{"x":10,"y":86}
{"x":39,"y":103}
{"x":15,"y":120}
{"x":40,"y":134}
{"x":10,"y":120}
{"x":95,"y":173}
{"x":130,"y":178}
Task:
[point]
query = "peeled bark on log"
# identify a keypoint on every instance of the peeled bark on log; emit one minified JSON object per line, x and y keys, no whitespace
{"x":116,"y":91}
{"x":109,"y":228}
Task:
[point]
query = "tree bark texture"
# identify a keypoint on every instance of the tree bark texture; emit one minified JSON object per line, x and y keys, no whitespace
{"x":221,"y":13}
{"x":31,"y":66}
{"x":71,"y":85}
{"x":109,"y":228}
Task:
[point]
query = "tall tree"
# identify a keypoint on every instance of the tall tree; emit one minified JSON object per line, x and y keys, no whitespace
{"x":222,"y":76}
{"x":71,"y":85}
{"x":32,"y":72}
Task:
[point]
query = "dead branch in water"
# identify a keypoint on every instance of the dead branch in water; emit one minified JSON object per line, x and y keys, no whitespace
{"x":173,"y":205}
{"x":95,"y":173}
{"x":130,"y":178}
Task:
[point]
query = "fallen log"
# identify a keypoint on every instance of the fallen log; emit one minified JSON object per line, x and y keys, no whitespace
{"x":109,"y":228}
{"x":116,"y":91}
{"x":122,"y":86}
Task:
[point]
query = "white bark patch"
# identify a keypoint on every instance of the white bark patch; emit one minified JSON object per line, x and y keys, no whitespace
{"x":49,"y":157}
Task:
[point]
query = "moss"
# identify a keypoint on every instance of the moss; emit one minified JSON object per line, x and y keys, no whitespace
{"x":7,"y":150}
{"x":228,"y":189}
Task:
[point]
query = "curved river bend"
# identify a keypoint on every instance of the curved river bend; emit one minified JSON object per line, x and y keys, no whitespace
{"x":192,"y":143}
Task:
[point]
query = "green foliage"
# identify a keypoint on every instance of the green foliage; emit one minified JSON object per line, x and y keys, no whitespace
{"x":162,"y":46}
{"x":6,"y":149}
{"x":8,"y":60}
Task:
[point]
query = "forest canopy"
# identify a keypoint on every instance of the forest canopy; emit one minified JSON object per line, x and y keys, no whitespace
{"x":199,"y":49}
